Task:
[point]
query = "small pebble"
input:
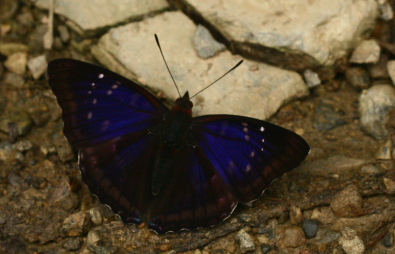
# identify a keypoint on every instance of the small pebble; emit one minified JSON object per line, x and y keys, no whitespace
{"x":386,"y":12}
{"x":16,"y":63}
{"x":37,"y":66}
{"x":388,"y":240}
{"x":14,"y":79}
{"x":295,"y":215}
{"x":72,"y":244}
{"x":374,"y":105}
{"x":290,"y":237}
{"x":204,"y":43}
{"x":266,"y":248}
{"x":246,"y":242}
{"x":96,"y":217}
{"x":312,"y":78}
{"x":385,"y":151}
{"x":347,"y":203}
{"x":64,"y":33}
{"x":367,"y":52}
{"x":76,"y":224}
{"x":350,"y":242}
{"x":310,"y":228}
{"x":358,"y":78}
{"x":389,"y":185}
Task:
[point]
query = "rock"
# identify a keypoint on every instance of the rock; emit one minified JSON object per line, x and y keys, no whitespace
{"x":63,"y":147}
{"x":246,"y":242}
{"x":324,"y":215}
{"x":350,"y":242}
{"x":269,"y":87}
{"x":76,"y":224}
{"x":347,"y":203}
{"x":85,"y":14}
{"x":20,"y":120}
{"x":295,"y":215}
{"x":310,"y":228}
{"x":96,"y":217}
{"x":93,"y":238}
{"x":272,"y":32}
{"x":385,"y":151}
{"x":204,"y":43}
{"x":372,"y":170}
{"x":389,"y":185}
{"x":13,"y":79}
{"x":379,"y":70}
{"x":374,"y":105}
{"x":61,"y":196}
{"x":391,"y":70}
{"x":386,"y":12}
{"x":326,"y":118}
{"x":266,"y":248}
{"x":312,"y":78}
{"x":16,"y":63}
{"x":367,"y":52}
{"x":9,"y":49}
{"x":37,"y":66}
{"x":358,"y":78}
{"x":64,"y":33}
{"x":388,"y":240}
{"x":337,"y":164}
{"x":290,"y":237}
{"x":95,"y":244}
{"x":72,"y":244}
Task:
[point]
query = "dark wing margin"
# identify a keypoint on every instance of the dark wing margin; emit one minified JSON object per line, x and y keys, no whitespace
{"x":98,"y":105}
{"x":248,"y":153}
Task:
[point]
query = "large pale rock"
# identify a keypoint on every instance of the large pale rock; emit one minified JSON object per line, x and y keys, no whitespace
{"x":254,"y":89}
{"x":90,"y":16}
{"x":294,"y":33}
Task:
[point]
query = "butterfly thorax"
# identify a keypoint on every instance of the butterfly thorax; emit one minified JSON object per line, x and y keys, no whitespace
{"x":177,"y":122}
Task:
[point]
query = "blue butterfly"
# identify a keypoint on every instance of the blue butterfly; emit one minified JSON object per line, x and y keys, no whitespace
{"x":160,"y":166}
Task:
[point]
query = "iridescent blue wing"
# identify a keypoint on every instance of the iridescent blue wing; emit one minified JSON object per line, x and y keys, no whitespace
{"x":195,"y":195}
{"x":248,"y":153}
{"x":108,"y":117}
{"x":226,"y":159}
{"x":99,"y":105}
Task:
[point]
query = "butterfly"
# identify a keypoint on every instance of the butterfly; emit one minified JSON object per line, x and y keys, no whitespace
{"x":161,"y":166}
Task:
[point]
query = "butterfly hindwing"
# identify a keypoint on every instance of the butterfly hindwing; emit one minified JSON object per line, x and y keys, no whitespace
{"x":248,"y":153}
{"x":98,"y":105}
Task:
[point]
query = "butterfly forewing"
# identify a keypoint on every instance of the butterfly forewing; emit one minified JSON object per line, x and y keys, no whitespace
{"x":98,"y":104}
{"x":248,"y":153}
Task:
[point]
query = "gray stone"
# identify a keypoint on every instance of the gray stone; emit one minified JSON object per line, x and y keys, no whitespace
{"x":389,"y":185}
{"x":91,"y":16}
{"x":312,"y":78}
{"x":246,"y":242}
{"x":347,"y":203}
{"x":327,"y":118}
{"x":61,"y":196}
{"x":374,"y":105}
{"x":37,"y":66}
{"x":310,"y":228}
{"x":350,"y":242}
{"x":324,"y":32}
{"x":386,"y":12}
{"x":16,"y":63}
{"x":385,"y":151}
{"x":366,"y":52}
{"x":358,"y":78}
{"x":254,"y":89}
{"x":20,"y":120}
{"x":64,"y":33}
{"x":96,"y":217}
{"x":204,"y":43}
{"x":76,"y":224}
{"x":72,"y":244}
{"x":63,"y":147}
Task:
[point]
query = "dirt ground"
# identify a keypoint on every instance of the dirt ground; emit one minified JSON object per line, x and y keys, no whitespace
{"x":41,"y":186}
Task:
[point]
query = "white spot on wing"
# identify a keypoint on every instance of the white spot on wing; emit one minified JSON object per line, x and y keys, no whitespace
{"x":263,"y":140}
{"x":114,"y":86}
{"x":109,"y":92}
{"x":94,"y":101}
{"x":244,"y":124}
{"x":247,"y":137}
{"x":252,"y":154}
{"x":90,"y":115}
{"x":245,"y":129}
{"x":101,"y":75}
{"x":248,"y":168}
{"x":262,"y":129}
{"x":93,"y":84}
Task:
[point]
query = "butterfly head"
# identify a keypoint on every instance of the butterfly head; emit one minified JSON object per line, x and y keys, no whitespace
{"x":183,"y":104}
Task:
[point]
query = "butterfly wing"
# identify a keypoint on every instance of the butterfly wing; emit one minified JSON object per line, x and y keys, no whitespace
{"x":248,"y":153}
{"x":108,"y":117}
{"x":98,"y":105}
{"x":225,"y":160}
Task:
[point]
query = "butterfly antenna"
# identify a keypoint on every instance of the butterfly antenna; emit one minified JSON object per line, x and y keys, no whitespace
{"x":234,"y":67}
{"x":160,"y":49}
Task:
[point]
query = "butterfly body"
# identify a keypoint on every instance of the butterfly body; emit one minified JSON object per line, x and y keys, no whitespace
{"x":160,"y":166}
